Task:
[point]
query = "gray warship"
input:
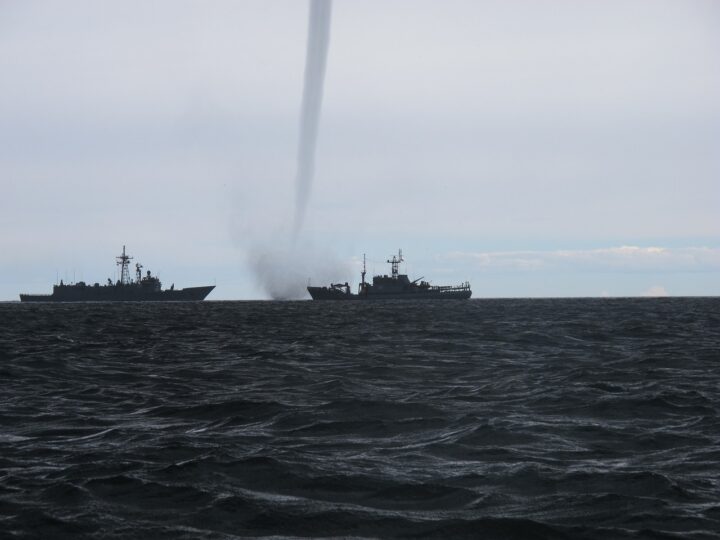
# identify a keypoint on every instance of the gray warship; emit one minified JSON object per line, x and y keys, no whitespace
{"x":147,"y":288}
{"x":393,"y":287}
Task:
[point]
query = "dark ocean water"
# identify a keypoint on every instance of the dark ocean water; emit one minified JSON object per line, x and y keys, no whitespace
{"x":584,"y":418}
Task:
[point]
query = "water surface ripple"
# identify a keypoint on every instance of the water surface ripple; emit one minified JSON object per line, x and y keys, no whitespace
{"x":583,"y":418}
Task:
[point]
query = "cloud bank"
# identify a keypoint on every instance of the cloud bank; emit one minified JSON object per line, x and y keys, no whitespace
{"x":611,"y":259}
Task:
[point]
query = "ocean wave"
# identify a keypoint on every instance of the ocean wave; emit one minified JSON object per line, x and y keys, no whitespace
{"x":503,"y":419}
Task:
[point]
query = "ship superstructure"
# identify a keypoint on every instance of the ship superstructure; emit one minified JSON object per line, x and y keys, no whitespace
{"x":396,"y":286}
{"x":144,"y":288}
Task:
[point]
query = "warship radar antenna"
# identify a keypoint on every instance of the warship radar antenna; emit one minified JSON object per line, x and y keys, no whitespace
{"x":395,"y":262}
{"x":138,"y":272}
{"x":124,"y":262}
{"x":362,"y":284}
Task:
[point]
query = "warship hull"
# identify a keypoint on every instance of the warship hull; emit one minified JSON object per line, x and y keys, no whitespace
{"x":119,"y":294}
{"x":329,"y":293}
{"x":396,"y":286}
{"x":147,"y":288}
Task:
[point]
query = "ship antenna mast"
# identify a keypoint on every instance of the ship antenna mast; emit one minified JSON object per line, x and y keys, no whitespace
{"x":124,"y":262}
{"x":395,"y":262}
{"x":363,"y":272}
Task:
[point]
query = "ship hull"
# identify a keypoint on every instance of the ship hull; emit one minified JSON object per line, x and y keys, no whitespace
{"x":395,"y":286}
{"x":327,"y":293}
{"x":119,"y":294}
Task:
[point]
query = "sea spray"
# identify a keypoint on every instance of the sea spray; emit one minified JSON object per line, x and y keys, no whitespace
{"x":283,"y":270}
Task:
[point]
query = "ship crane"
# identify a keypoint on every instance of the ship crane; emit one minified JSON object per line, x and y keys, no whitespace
{"x":395,"y":262}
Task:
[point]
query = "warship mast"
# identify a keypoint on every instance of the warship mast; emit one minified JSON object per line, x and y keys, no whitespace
{"x":124,"y":262}
{"x":395,"y":262}
{"x":363,"y":285}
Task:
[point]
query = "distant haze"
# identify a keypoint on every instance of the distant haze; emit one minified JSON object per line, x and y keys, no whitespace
{"x":533,"y":148}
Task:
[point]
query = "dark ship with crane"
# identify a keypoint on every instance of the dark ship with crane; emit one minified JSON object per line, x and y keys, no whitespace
{"x":144,"y":288}
{"x":396,"y":286}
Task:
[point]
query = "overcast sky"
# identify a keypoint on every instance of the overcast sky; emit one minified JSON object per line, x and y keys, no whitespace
{"x":534,"y":148}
